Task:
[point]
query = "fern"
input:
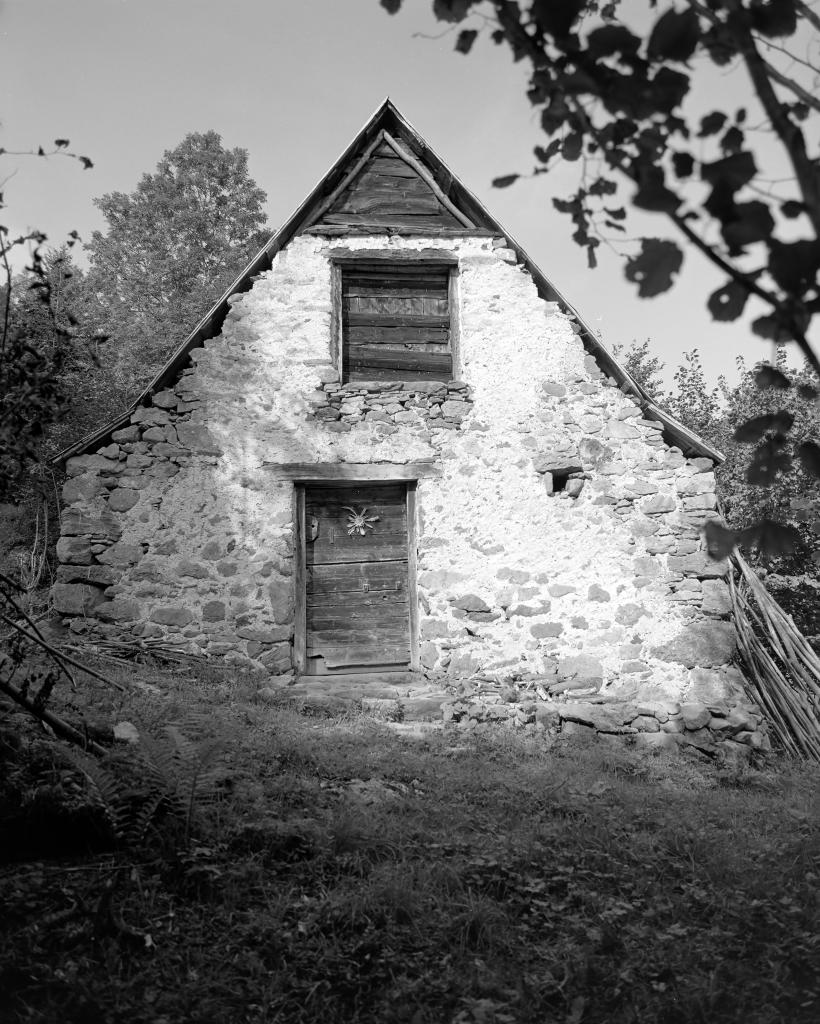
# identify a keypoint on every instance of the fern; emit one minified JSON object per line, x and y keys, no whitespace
{"x":172,"y":775}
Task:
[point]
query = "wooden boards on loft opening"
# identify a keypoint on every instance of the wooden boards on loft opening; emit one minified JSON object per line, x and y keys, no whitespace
{"x":396,"y":321}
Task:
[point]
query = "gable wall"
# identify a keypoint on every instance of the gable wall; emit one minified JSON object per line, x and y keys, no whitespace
{"x":179,"y":530}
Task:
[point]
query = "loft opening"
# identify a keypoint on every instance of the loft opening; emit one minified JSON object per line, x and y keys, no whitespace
{"x":397,"y":320}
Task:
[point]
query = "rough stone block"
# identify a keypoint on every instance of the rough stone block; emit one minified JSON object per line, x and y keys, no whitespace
{"x":197,"y":438}
{"x":102,"y":575}
{"x":428,"y":654}
{"x":119,"y":610}
{"x":634,"y":665}
{"x":126,"y":434}
{"x":716,"y":598}
{"x":95,"y":463}
{"x":193,"y":570}
{"x":75,"y":550}
{"x":278,"y":658}
{"x":471,"y":603}
{"x":620,"y":430}
{"x":164,"y":400}
{"x":741,"y":719}
{"x":122,"y":499}
{"x":75,"y":598}
{"x":543,"y":630}
{"x":628,"y":614}
{"x":701,"y":483}
{"x":716,"y":686}
{"x":701,"y":644}
{"x":659,"y":504}
{"x":463,"y":663}
{"x":599,"y":716}
{"x":171,"y":616}
{"x":694,"y":715}
{"x":597,"y":593}
{"x":148,"y":416}
{"x":104,"y":525}
{"x":561,"y":461}
{"x":121,"y":554}
{"x":81,"y":488}
{"x":660,"y":545}
{"x":213,"y":611}
{"x":645,"y":723}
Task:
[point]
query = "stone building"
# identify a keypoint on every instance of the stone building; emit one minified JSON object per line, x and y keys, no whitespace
{"x":393,"y":444}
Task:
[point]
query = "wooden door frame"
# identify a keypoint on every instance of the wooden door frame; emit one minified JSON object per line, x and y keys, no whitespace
{"x":300,"y":553}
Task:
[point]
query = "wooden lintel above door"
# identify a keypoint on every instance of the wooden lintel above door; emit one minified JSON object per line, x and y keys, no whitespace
{"x":315,"y":472}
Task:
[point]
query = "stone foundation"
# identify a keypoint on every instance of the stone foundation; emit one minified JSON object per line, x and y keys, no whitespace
{"x":729,"y":732}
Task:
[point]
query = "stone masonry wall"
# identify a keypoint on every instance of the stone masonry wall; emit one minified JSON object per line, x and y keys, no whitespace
{"x":560,"y":540}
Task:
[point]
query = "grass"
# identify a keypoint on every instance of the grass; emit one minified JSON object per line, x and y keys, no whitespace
{"x":340,"y":872}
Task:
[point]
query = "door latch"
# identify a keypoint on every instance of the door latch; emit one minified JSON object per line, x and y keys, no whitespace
{"x":312,"y":529}
{"x":365,"y":586}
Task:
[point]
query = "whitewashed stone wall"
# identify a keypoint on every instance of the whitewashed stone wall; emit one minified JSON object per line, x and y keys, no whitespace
{"x":177,"y":528}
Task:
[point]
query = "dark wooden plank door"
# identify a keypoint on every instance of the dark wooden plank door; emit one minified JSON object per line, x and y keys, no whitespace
{"x":356,"y":578}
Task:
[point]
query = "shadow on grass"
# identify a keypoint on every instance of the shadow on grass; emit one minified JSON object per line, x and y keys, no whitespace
{"x":350,"y":874}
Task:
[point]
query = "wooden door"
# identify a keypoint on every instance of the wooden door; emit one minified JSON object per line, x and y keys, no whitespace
{"x":357,"y":609}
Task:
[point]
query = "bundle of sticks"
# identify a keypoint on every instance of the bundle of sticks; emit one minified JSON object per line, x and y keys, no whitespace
{"x":782,"y":668}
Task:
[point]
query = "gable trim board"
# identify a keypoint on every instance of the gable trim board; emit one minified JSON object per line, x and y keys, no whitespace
{"x":388,"y":124}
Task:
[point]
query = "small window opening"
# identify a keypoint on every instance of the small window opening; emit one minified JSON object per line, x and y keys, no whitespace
{"x":559,"y":481}
{"x":568,"y":482}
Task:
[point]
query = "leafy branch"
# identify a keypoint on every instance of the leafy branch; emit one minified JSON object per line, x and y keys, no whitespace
{"x":613,"y":100}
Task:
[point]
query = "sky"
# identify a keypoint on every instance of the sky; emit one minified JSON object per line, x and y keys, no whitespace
{"x":292,"y":81}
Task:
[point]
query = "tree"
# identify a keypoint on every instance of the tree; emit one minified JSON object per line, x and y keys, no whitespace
{"x":746,"y":487}
{"x":694,"y":403}
{"x":612,"y":99}
{"x":31,"y":396}
{"x":170,"y":248}
{"x":641,"y":366}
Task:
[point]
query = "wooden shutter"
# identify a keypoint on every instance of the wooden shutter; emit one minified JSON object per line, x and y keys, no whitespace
{"x":396,"y":321}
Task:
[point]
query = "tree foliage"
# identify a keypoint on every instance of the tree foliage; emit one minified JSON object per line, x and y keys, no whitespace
{"x":36,"y":331}
{"x":694,"y":403}
{"x":641,"y":365}
{"x":170,"y":248}
{"x":611,"y":84}
{"x":778,"y":484}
